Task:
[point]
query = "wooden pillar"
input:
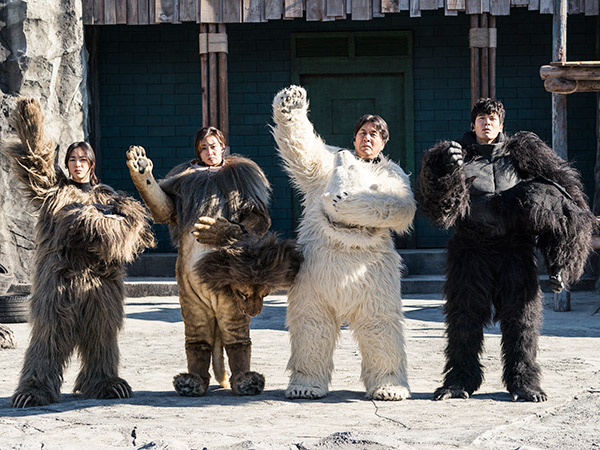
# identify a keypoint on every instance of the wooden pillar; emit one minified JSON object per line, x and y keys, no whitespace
{"x":223,"y":90}
{"x":475,"y":92}
{"x":483,"y":54}
{"x":596,"y":205}
{"x":91,"y":37}
{"x":212,"y":82}
{"x":204,"y":75}
{"x":562,"y":301}
{"x":492,"y":60}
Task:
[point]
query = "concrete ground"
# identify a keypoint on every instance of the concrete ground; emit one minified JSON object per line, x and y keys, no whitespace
{"x":156,"y":418}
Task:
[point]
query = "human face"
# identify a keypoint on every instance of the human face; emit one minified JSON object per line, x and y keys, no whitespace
{"x":211,"y":151}
{"x":487,"y":127}
{"x":79,"y":166}
{"x":368,"y":142}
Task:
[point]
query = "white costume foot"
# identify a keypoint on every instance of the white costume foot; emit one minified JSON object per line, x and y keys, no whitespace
{"x":302,"y":391}
{"x":390,"y":393}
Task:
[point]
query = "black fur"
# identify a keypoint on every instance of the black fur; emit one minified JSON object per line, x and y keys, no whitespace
{"x":488,"y":269}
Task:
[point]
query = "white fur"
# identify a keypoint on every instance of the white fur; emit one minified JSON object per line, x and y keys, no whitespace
{"x":351,"y":272}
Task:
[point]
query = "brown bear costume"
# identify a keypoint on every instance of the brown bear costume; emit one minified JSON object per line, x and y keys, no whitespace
{"x":77,"y":284}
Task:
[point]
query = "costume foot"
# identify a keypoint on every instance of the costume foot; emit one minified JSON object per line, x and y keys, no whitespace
{"x":390,"y":393}
{"x":529,"y":395}
{"x":113,"y":387}
{"x":444,"y":393}
{"x":190,"y":385}
{"x":290,"y":99}
{"x":247,"y":383}
{"x":28,"y":399}
{"x":301,"y":391}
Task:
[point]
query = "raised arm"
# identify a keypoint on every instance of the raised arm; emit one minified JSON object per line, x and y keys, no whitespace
{"x":358,"y":195}
{"x":32,"y":155}
{"x":306,"y":157}
{"x":443,"y":190}
{"x":158,"y":202}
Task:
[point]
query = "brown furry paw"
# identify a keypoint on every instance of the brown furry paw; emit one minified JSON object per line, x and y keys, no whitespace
{"x":113,"y":387}
{"x":247,"y":383}
{"x":190,"y":385}
{"x":216,"y":232}
{"x":31,"y":397}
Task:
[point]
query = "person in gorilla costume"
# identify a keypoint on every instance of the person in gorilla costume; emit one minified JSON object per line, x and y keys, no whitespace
{"x":503,"y":195}
{"x":85,"y":234}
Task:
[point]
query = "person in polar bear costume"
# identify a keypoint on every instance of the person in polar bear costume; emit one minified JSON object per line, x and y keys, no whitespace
{"x":351,"y":270}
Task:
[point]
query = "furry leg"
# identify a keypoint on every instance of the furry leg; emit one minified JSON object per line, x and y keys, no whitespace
{"x":243,"y":381}
{"x":468,"y":287}
{"x":519,"y":309}
{"x":195,"y":382}
{"x":42,"y":373}
{"x":313,"y":333}
{"x":382,"y":347}
{"x":99,"y":349}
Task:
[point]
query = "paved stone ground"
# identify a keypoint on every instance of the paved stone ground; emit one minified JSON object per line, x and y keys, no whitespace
{"x":156,"y":418}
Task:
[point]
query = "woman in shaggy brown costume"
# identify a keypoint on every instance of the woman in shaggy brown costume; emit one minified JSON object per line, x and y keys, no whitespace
{"x":230,"y":191}
{"x":85,"y":234}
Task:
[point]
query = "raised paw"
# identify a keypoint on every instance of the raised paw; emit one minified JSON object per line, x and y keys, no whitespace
{"x":113,"y":387}
{"x":289,"y":99}
{"x":247,"y":383}
{"x":137,"y":161}
{"x":444,"y":393}
{"x":529,"y":395}
{"x":190,"y":385}
{"x":389,"y":393}
{"x":301,"y":391}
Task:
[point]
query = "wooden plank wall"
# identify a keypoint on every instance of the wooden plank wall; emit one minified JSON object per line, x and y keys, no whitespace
{"x":142,"y":12}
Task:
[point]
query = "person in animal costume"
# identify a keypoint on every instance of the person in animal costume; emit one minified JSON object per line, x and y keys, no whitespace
{"x":216,"y":206}
{"x":351,"y":270}
{"x":503,"y":195}
{"x":85,"y":234}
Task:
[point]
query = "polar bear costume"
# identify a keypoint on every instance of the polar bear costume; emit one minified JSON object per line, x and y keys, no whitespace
{"x":351,"y":271}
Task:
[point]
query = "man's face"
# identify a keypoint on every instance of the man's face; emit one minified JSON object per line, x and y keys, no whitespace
{"x":368,"y":142}
{"x":487,"y":127}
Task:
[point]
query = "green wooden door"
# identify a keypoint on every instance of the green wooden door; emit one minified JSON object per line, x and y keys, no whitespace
{"x":338,"y":101}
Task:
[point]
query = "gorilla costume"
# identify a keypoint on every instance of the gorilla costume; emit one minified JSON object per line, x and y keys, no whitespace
{"x":506,"y":198}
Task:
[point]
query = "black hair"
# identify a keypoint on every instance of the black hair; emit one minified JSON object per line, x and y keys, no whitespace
{"x":89,"y":153}
{"x":488,"y":106}
{"x":380,"y":125}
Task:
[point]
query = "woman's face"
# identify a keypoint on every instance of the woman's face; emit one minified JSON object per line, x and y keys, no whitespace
{"x":368,"y":142}
{"x":211,"y":151}
{"x":79,"y":166}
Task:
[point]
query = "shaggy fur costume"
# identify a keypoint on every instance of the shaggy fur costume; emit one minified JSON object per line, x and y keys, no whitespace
{"x":250,"y":269}
{"x":502,"y":198}
{"x":351,"y":270}
{"x":239,"y":192}
{"x":77,"y":285}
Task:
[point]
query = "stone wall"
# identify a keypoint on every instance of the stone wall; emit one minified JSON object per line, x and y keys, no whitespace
{"x":42,"y":55}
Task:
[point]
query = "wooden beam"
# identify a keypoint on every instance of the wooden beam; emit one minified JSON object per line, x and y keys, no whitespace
{"x":564,"y":86}
{"x":293,"y":8}
{"x":483,"y":54}
{"x":223,"y":90}
{"x":475,"y":93}
{"x":143,"y":17}
{"x":132,"y":12}
{"x":187,"y":11}
{"x":212,"y":82}
{"x":492,"y":61}
{"x":204,"y":81}
{"x":121,"y":12}
{"x":232,"y":11}
{"x":583,"y":72}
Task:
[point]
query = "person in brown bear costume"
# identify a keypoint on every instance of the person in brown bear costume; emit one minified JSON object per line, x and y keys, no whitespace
{"x":228,"y":192}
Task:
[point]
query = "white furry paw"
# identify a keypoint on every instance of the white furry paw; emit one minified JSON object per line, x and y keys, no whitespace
{"x":389,"y":393}
{"x":301,"y":391}
{"x":290,"y":99}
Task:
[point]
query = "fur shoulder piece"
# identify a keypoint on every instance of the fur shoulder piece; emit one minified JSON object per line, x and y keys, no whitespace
{"x":32,"y":154}
{"x":534,"y":158}
{"x":444,"y":196}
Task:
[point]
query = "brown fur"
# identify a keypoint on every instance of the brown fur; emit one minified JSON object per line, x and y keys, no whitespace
{"x":77,"y":284}
{"x":250,"y":269}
